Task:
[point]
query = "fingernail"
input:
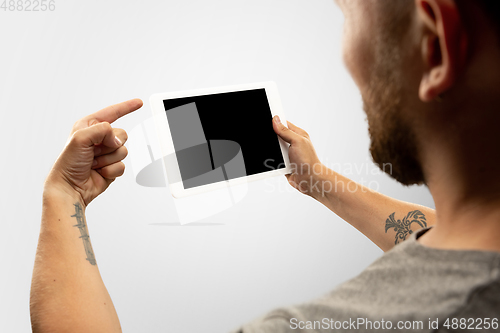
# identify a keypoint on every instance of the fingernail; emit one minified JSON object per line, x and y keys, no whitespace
{"x":94,"y":163}
{"x":118,"y":141}
{"x":277,"y":120}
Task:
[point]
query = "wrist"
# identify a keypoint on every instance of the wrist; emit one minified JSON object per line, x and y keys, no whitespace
{"x":59,"y":189}
{"x":323,"y":182}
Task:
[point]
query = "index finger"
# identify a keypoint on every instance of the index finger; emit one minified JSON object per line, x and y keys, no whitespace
{"x":114,"y":112}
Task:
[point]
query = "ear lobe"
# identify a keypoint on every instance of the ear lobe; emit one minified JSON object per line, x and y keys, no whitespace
{"x":443,"y":46}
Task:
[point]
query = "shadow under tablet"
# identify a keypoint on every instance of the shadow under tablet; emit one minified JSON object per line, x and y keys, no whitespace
{"x":207,"y":163}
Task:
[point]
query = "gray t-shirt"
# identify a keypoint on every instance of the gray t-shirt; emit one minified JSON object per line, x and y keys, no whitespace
{"x":410,"y":288}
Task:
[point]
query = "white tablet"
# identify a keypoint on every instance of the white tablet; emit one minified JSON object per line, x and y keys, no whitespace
{"x":218,"y":137}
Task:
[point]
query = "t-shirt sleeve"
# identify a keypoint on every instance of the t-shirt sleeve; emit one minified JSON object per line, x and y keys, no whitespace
{"x":269,"y":325}
{"x":282,"y":320}
{"x":483,"y":303}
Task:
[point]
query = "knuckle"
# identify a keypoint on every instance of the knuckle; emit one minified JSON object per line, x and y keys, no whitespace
{"x":121,"y":169}
{"x":77,"y":137}
{"x":93,"y":122}
{"x":104,"y":172}
{"x":124,"y":151}
{"x":106,"y":126}
{"x":76,"y":125}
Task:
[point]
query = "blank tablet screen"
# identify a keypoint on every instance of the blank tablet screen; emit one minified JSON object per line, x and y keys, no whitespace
{"x":223,"y":136}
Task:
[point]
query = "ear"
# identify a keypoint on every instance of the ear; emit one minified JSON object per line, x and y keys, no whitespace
{"x":444,"y":46}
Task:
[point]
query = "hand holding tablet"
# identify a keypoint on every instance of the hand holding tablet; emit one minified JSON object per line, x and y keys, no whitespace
{"x":216,"y":137}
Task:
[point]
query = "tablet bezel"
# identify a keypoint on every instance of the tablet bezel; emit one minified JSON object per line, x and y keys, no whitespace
{"x":167,"y":145}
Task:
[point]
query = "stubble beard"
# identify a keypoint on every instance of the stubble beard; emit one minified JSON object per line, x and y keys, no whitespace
{"x":393,"y":144}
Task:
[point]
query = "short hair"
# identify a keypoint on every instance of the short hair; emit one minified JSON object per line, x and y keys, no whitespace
{"x":491,"y":9}
{"x":399,"y":13}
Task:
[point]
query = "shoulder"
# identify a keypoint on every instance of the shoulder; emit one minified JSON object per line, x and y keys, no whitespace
{"x":480,"y":312}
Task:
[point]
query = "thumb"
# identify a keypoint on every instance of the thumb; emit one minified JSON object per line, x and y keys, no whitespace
{"x":284,"y":132}
{"x":101,"y":133}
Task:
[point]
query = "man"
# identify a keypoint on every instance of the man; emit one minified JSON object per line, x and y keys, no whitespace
{"x":429,"y":74}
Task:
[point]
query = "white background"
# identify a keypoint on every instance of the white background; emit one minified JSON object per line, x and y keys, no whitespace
{"x":274,"y":248}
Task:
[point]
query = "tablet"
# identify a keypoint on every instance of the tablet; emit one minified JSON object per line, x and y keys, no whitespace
{"x":218,"y":137}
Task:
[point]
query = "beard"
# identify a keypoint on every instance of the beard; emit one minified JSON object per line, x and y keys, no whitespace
{"x":393,"y":145}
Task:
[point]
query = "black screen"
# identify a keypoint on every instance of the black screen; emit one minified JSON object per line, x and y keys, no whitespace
{"x":223,"y":136}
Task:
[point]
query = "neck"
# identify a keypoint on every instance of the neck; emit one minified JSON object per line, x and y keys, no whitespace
{"x":462,"y":168}
{"x":465,"y":227}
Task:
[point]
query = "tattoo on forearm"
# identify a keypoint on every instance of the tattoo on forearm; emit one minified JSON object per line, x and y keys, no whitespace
{"x":84,"y":232}
{"x":403,"y":228}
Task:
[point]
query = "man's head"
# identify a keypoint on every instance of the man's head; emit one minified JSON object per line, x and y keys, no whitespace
{"x":414,"y":62}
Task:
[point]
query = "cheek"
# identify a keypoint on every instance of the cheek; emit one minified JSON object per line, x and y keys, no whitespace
{"x":348,"y":51}
{"x":357,"y":54}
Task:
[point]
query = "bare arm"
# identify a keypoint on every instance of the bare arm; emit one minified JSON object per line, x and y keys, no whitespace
{"x":384,"y":220}
{"x":67,"y":292}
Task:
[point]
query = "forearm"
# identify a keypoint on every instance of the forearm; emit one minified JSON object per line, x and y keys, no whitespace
{"x":369,"y":211}
{"x":67,"y":292}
